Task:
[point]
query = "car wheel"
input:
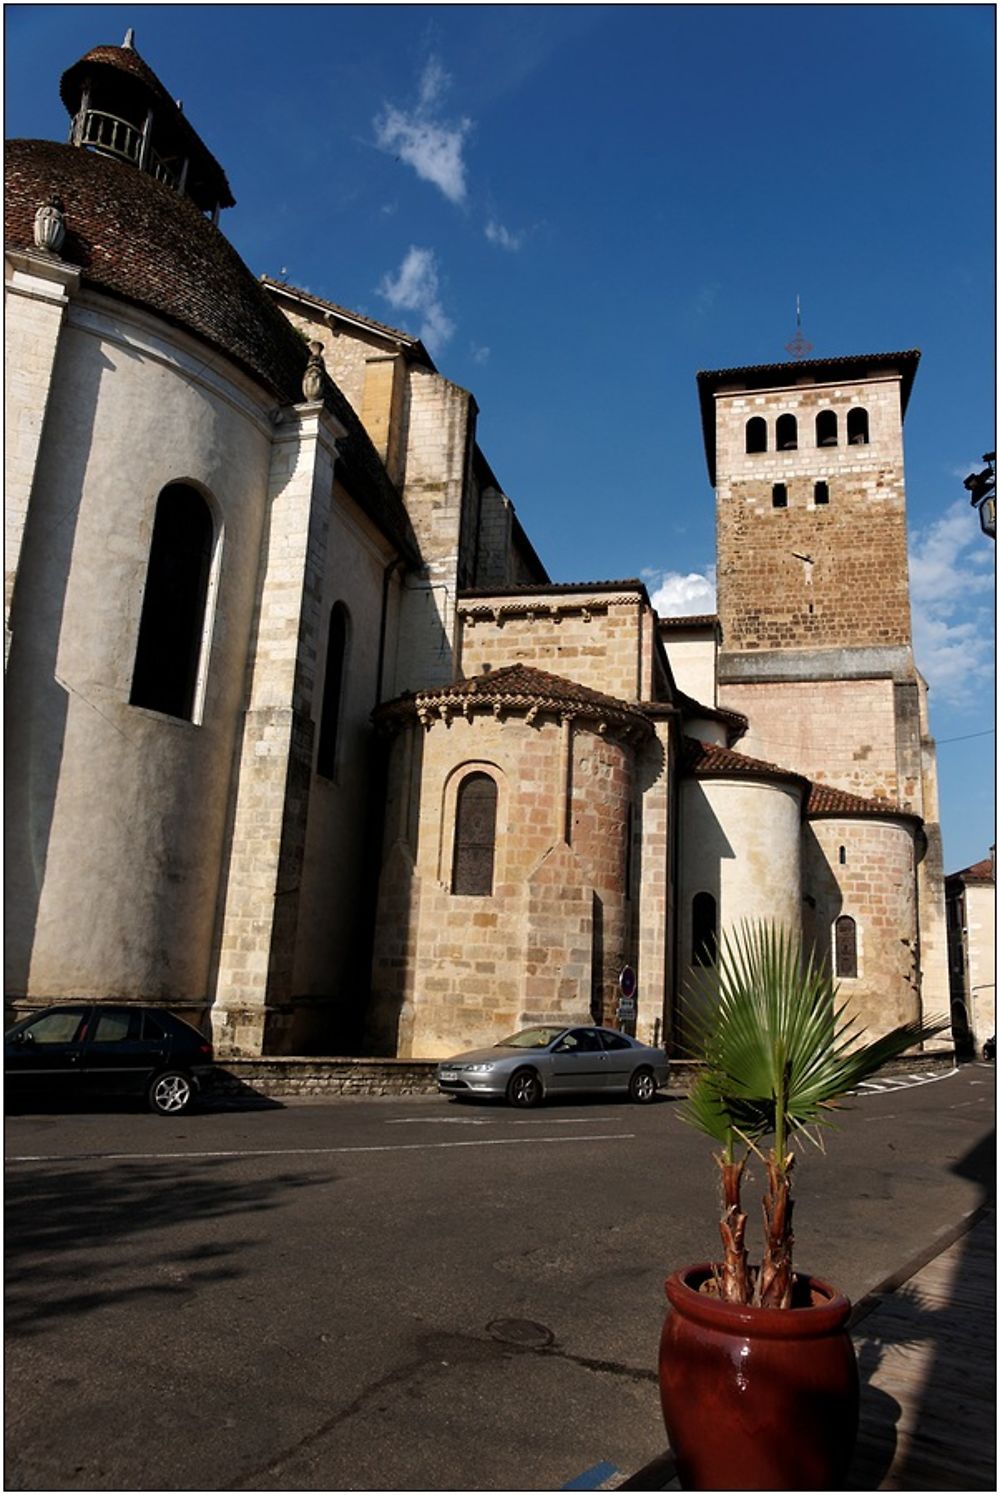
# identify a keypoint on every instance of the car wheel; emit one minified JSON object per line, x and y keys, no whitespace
{"x":525,"y":1089}
{"x":642,"y":1087}
{"x":170,"y":1093}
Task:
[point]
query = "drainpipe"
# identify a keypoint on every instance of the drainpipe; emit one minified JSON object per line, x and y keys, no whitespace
{"x":387,"y":572}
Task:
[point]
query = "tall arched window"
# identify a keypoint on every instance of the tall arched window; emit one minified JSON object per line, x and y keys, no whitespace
{"x":786,"y":433}
{"x":826,"y":428}
{"x":172,"y":623}
{"x":857,"y":426}
{"x":704,"y":930}
{"x":333,"y":690}
{"x":475,"y":836}
{"x":845,"y":947}
{"x":756,"y":434}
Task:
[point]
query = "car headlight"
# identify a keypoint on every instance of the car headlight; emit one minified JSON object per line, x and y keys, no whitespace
{"x":479,"y":1069}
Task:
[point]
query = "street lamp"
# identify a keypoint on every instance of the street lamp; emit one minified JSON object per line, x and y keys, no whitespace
{"x":982,"y":491}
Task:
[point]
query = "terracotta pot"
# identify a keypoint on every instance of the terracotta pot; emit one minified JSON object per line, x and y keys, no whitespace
{"x":758,"y":1398}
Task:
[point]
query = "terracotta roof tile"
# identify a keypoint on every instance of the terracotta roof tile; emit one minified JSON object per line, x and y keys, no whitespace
{"x":978,"y":872}
{"x":824,"y":799}
{"x":705,"y":760}
{"x":516,"y":687}
{"x":689,"y":620}
{"x":527,"y":589}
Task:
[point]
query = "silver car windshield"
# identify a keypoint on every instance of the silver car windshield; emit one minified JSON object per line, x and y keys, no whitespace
{"x":530,"y":1038}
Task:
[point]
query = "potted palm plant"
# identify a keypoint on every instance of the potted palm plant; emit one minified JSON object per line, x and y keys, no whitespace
{"x":758,"y":1379}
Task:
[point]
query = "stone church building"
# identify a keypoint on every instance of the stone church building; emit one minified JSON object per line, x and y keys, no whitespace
{"x":302,"y":740}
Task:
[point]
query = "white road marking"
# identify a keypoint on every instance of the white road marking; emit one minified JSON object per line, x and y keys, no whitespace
{"x":493,"y":1120}
{"x":290,"y":1152}
{"x":878,"y":1087}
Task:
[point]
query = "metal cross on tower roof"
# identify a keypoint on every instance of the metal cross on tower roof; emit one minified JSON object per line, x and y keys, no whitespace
{"x":799,"y":346}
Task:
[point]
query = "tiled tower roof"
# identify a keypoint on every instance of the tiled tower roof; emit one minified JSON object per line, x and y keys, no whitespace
{"x":516,"y":688}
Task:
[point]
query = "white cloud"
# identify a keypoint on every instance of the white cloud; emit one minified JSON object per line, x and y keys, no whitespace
{"x":415,"y":288}
{"x":480,"y":355}
{"x":504,"y":237}
{"x":951,"y":586}
{"x":675,"y":595}
{"x":431,"y":145}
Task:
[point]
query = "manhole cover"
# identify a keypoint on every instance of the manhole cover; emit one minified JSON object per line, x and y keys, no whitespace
{"x":521,"y":1331}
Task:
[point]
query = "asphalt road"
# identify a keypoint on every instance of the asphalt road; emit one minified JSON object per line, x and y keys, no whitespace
{"x":403,"y":1294}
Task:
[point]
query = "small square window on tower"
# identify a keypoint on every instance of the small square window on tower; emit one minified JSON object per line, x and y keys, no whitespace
{"x":779,"y":496}
{"x":821,"y":493}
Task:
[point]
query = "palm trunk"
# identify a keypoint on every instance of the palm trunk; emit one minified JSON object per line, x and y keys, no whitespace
{"x":733,"y":1279}
{"x":774,"y":1286}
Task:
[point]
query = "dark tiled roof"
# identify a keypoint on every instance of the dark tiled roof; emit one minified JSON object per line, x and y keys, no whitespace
{"x":530,"y":589}
{"x":689,"y":620}
{"x":777,"y":375}
{"x":516,"y":687}
{"x":127,"y":60}
{"x":141,"y":241}
{"x":825,"y":800}
{"x":707,"y":761}
{"x":978,"y":872}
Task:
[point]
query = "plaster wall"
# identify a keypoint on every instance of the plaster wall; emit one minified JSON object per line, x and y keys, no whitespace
{"x":116,"y":814}
{"x":740,"y":842}
{"x":692,"y":660}
{"x":980,"y":943}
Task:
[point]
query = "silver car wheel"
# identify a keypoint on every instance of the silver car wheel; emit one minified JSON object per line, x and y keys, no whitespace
{"x":642,"y":1086}
{"x":525,"y":1088}
{"x":170,"y":1093}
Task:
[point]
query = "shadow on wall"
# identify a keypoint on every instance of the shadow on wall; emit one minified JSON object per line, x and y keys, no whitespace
{"x":704,"y":846}
{"x":37,"y":702}
{"x":822,"y":902}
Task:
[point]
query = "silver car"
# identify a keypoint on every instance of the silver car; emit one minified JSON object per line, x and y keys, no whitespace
{"x":543,"y":1061}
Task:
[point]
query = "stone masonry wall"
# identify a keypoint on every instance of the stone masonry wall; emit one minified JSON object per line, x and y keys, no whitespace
{"x":469,"y":969}
{"x":837,"y":732}
{"x":593,"y":639}
{"x":812,"y":576}
{"x":875,"y":886}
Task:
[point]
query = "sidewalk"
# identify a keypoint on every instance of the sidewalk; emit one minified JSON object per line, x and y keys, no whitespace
{"x":926,"y":1345}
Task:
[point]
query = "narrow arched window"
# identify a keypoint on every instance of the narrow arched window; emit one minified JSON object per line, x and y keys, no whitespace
{"x":779,"y":496}
{"x":786,"y":433}
{"x":172,"y":623}
{"x":843,"y":856}
{"x":826,"y":428}
{"x":845,"y":947}
{"x":475,"y":836}
{"x":333,"y":690}
{"x":704,"y":930}
{"x":757,"y":434}
{"x":821,"y":493}
{"x":857,"y":426}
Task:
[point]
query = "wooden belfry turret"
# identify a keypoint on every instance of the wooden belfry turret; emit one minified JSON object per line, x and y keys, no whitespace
{"x":120,"y":108}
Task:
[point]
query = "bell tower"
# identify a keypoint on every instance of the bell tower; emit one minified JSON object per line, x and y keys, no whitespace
{"x":813,"y":589}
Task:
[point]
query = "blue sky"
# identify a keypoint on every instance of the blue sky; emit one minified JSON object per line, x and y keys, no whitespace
{"x":578,"y":207}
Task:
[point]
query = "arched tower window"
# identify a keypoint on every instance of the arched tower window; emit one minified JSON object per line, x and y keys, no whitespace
{"x":845,"y":947}
{"x":826,"y":428}
{"x":172,"y":623}
{"x":786,"y":433}
{"x":475,"y":836}
{"x":704,"y":930}
{"x":333,"y":690}
{"x":857,"y":426}
{"x":756,"y":434}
